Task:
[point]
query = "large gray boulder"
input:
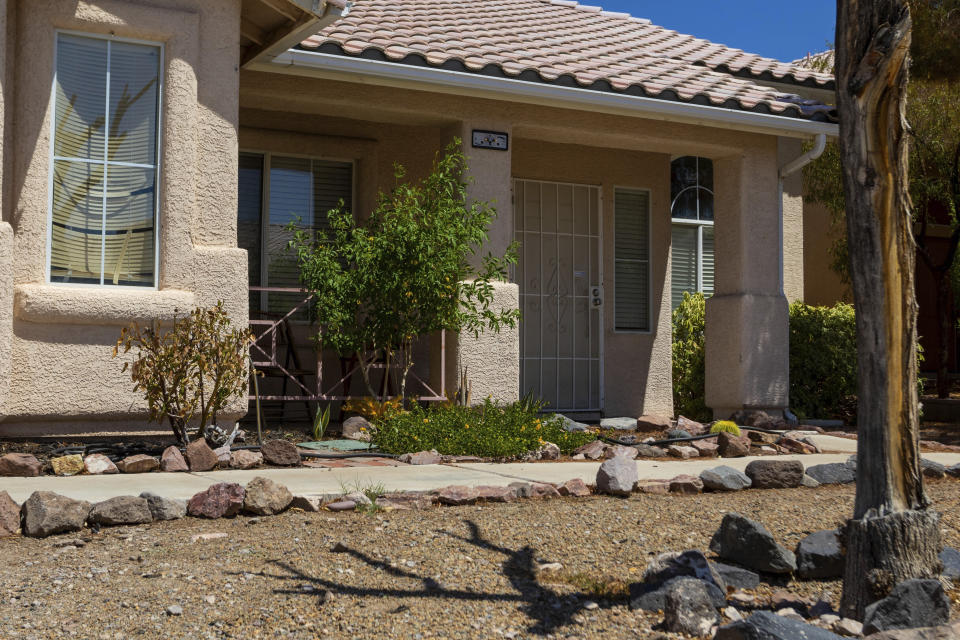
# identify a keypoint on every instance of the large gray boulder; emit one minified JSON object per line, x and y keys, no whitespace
{"x":932,"y":469}
{"x":688,"y":608}
{"x":724,"y":478}
{"x":775,"y":474}
{"x":617,"y":476}
{"x":652,"y":596}
{"x":690,"y":564}
{"x":951,"y":563}
{"x":619,"y":424}
{"x":357,"y":428}
{"x":765,"y":625}
{"x":570,"y":425}
{"x":833,"y":473}
{"x":264,"y":497}
{"x":748,"y":543}
{"x":912,"y":603}
{"x":120,"y":510}
{"x":164,"y":508}
{"x":46,"y":513}
{"x":820,"y":556}
{"x":736,"y":577}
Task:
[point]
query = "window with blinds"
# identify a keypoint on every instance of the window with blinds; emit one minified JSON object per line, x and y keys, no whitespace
{"x":276,"y":191}
{"x":105,"y":156}
{"x":691,"y":210}
{"x":631,"y":296}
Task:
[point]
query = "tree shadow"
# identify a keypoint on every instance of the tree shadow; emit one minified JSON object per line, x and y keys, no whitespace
{"x":548,"y":609}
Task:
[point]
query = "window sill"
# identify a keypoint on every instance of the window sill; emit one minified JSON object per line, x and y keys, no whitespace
{"x":98,"y":305}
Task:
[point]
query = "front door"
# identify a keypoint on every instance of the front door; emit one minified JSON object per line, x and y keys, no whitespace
{"x":559,"y":275}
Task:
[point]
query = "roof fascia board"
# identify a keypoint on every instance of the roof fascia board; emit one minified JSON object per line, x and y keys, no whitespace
{"x":363,"y":70}
{"x":310,"y":22}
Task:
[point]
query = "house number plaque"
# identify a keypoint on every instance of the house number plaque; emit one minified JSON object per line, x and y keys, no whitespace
{"x":489,"y":140}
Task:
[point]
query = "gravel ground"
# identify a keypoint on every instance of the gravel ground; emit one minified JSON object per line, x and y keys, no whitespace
{"x":449,"y":572}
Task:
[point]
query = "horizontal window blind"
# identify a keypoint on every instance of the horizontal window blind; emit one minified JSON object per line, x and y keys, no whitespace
{"x":707,"y":262}
{"x":104,"y":170}
{"x":683,"y":272}
{"x":631,"y":260}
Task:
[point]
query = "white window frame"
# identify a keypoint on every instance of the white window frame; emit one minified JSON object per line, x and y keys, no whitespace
{"x":265,"y":198}
{"x":52,"y":158}
{"x":690,"y":222}
{"x":613,"y":246}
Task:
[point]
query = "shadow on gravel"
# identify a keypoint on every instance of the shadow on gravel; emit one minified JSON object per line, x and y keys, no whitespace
{"x":548,"y":609}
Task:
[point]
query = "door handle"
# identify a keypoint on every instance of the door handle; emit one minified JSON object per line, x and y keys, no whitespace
{"x":596,"y":296}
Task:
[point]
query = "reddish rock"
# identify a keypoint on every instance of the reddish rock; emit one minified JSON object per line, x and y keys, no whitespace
{"x":795,"y":446}
{"x":96,"y":464}
{"x":223,"y":455}
{"x":686,"y":484}
{"x":408,"y":500}
{"x":731,"y":446}
{"x":9,"y":516}
{"x":592,"y":450}
{"x":706,"y":448}
{"x":679,"y":451}
{"x":576,"y":488}
{"x":496,"y":494}
{"x":653,"y":486}
{"x":172,"y":460}
{"x":543,"y":490}
{"x":421,"y":458}
{"x":342,"y":505}
{"x":692,"y":427}
{"x":619,"y":450}
{"x":21,"y":465}
{"x":223,"y":499}
{"x":762,"y":438}
{"x":457,"y":495}
{"x":139,"y":463}
{"x":245,"y":459}
{"x":280,"y":453}
{"x":648,"y":423}
{"x":200,"y":457}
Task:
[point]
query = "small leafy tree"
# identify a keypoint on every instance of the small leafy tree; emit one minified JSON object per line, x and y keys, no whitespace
{"x":689,"y":377}
{"x":405,"y":272}
{"x":189,"y":372}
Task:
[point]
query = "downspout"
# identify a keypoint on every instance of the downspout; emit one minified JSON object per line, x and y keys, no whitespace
{"x":819,"y":144}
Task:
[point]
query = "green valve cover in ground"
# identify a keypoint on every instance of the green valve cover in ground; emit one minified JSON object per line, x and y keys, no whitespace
{"x":337,"y":445}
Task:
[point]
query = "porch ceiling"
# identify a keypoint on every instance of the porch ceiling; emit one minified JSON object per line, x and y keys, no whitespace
{"x":270,"y":27}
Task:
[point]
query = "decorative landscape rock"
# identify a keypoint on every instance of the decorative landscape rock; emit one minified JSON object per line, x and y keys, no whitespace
{"x":943,"y":632}
{"x":775,"y":474}
{"x":809,"y":482}
{"x":757,"y":418}
{"x":679,"y":451}
{"x":69,"y":465}
{"x":762,"y":438}
{"x":706,"y":448}
{"x":571,"y":426}
{"x":22,"y":465}
{"x":222,"y":500}
{"x":543,"y":490}
{"x":932,"y":469}
{"x":457,"y":495}
{"x":912,"y":603}
{"x":674,"y":434}
{"x":264,"y":497}
{"x":550,"y":451}
{"x":310,"y":504}
{"x":9,"y":516}
{"x":692,"y":427}
{"x":421,"y":457}
{"x":951,"y":563}
{"x":200,"y":457}
{"x":98,"y":464}
{"x":832,"y":473}
{"x":619,"y":450}
{"x":617,"y":476}
{"x":171,"y":460}
{"x":121,"y":510}
{"x":736,"y":577}
{"x":764,"y":625}
{"x":357,"y":428}
{"x":280,"y":453}
{"x":621,"y":424}
{"x":46,"y":513}
{"x":359,"y":497}
{"x":245,"y":459}
{"x":223,"y":455}
{"x":139,"y":463}
{"x":647,"y":423}
{"x":748,"y":543}
{"x":731,"y":446}
{"x":686,"y":484}
{"x":657,"y":487}
{"x":724,"y":478}
{"x":593,"y":450}
{"x":649,"y":451}
{"x":496,"y":494}
{"x":342,"y":505}
{"x":820,"y":556}
{"x":689,"y":564}
{"x":688,"y":608}
{"x":953,"y":471}
{"x":652,"y":596}
{"x":164,"y":508}
{"x":576,"y":488}
{"x":796,"y":446}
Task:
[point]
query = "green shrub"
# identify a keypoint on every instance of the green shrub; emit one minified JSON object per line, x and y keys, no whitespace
{"x":725,"y":426}
{"x":490,"y":430}
{"x":823,"y":360}
{"x":688,"y":358}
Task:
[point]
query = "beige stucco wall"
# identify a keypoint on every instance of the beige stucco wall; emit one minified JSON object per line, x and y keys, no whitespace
{"x":822,"y":286}
{"x":62,"y":375}
{"x":793,"y":236}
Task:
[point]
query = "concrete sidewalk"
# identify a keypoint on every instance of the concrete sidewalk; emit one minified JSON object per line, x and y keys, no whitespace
{"x":333,"y":482}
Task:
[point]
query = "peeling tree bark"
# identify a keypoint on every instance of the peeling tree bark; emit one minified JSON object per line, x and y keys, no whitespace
{"x":893,"y":535}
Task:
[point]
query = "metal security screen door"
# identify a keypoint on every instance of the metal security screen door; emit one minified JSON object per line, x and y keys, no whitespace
{"x":558,"y":228}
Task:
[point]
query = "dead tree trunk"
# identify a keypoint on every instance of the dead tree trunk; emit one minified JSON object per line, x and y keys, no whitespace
{"x":892,"y":536}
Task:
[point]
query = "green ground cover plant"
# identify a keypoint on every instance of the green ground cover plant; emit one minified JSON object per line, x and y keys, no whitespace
{"x":489,"y":430}
{"x":725,"y":426}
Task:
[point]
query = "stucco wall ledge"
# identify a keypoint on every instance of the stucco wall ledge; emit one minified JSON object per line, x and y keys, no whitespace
{"x":98,"y":305}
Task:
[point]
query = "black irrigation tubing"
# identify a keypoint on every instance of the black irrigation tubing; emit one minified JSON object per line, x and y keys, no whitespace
{"x":658,"y":443}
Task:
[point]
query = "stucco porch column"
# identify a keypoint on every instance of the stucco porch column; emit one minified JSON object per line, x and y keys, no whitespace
{"x":747,"y":322}
{"x":492,"y":361}
{"x":6,"y":312}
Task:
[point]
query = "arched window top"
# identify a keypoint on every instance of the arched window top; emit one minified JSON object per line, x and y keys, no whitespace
{"x":691,"y":188}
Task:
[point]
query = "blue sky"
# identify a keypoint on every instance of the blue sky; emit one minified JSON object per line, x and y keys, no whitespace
{"x":773,"y":28}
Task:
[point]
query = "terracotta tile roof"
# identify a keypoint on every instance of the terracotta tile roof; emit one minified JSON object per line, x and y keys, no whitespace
{"x":562,"y":42}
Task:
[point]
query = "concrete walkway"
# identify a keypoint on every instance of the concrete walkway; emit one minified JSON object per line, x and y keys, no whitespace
{"x":334,"y":482}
